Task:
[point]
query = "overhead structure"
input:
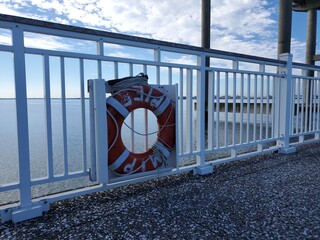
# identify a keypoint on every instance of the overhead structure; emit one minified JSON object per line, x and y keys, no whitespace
{"x":205,"y":34}
{"x":285,"y":19}
{"x":310,"y":6}
{"x":305,"y":5}
{"x":205,"y":23}
{"x":284,"y":28}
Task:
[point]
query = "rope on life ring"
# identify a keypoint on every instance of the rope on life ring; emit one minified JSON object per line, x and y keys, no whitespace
{"x":124,"y":100}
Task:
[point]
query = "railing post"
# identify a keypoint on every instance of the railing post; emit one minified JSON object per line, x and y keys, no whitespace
{"x":27,"y":208}
{"x":283,"y":96}
{"x":100,"y":133}
{"x":202,"y":168}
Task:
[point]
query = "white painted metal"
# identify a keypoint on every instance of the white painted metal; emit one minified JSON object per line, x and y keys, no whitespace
{"x":93,"y":169}
{"x":189,"y":111}
{"x":241,"y":106}
{"x":218,"y":110}
{"x":211,"y":110}
{"x":48,"y":114}
{"x":101,"y":132}
{"x":264,"y":109}
{"x":22,"y":116}
{"x":83,"y":116}
{"x":201,"y":168}
{"x":64,"y":115}
{"x":181,"y":115}
{"x":226,"y":106}
{"x":284,"y":97}
{"x":267,"y":113}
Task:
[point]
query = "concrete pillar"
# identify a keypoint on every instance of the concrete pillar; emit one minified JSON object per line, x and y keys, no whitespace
{"x":311,"y":37}
{"x":310,"y":52}
{"x":205,"y":37}
{"x":205,"y":23}
{"x":284,"y":29}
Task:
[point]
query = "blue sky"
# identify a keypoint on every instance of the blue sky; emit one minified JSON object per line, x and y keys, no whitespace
{"x":245,"y":26}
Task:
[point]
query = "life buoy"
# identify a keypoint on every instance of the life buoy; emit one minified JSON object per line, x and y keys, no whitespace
{"x":119,"y":105}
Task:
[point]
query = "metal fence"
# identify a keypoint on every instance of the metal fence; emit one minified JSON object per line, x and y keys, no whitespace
{"x":53,"y":139}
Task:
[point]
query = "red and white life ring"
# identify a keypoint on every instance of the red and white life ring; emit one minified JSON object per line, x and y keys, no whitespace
{"x":119,"y":105}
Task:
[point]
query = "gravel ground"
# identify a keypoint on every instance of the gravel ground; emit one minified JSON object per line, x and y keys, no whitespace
{"x":273,"y":196}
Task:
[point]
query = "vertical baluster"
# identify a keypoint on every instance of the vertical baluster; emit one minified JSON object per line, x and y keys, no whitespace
{"x":318,"y":95}
{"x":100,"y":52}
{"x":306,"y":120}
{"x":273,"y":107}
{"x":261,"y":107}
{"x":83,"y":116}
{"x":310,"y":105}
{"x":116,"y":69}
{"x":235,"y":66}
{"x":218,"y":110}
{"x":292,"y":105}
{"x":48,"y":113}
{"x":181,"y":125}
{"x":241,"y":108}
{"x":226,"y":103}
{"x":93,"y":169}
{"x":189,"y":125}
{"x":157,"y":59}
{"x":303,"y":107}
{"x":297,"y":105}
{"x":314,"y":105}
{"x":146,"y":142}
{"x":268,"y":107}
{"x":170,"y":75}
{"x":64,"y":115}
{"x":262,"y":70}
{"x":279,"y":109}
{"x":234,"y":110}
{"x":255,"y":108}
{"x":131,"y":116}
{"x":248,"y":107}
{"x":211,"y":103}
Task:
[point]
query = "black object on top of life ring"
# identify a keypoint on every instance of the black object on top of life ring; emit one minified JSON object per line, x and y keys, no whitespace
{"x":128,"y":94}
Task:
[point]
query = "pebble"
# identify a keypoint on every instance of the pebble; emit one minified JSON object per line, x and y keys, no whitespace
{"x":272,"y":196}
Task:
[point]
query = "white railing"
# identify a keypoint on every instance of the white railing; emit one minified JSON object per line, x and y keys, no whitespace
{"x":305,"y":108}
{"x":52,"y":140}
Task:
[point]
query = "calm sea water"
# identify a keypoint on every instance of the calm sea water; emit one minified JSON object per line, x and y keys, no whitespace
{"x":73,"y":149}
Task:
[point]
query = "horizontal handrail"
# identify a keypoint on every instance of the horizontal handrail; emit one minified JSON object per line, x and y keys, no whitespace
{"x":70,"y":30}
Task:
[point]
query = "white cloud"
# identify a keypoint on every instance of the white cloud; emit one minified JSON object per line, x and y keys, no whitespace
{"x":298,"y":49}
{"x":6,"y":40}
{"x":265,"y":48}
{"x":166,"y":20}
{"x":47,"y":42}
{"x":243,"y":17}
{"x":61,"y":20}
{"x":121,"y":55}
{"x":183,"y":59}
{"x":5,"y":36}
{"x":243,"y":26}
{"x":10,"y":10}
